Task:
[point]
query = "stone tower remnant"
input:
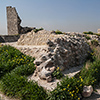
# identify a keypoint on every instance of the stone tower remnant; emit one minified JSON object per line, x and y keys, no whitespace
{"x":13,"y":21}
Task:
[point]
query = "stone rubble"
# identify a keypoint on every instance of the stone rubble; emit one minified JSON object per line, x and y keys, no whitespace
{"x":92,"y":37}
{"x":39,"y":38}
{"x":63,"y":50}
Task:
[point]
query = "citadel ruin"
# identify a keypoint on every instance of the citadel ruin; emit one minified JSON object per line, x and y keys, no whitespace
{"x":51,"y":50}
{"x":14,"y":21}
{"x":66,"y":51}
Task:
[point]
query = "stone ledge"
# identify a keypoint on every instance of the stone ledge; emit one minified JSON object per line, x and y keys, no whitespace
{"x":9,"y":38}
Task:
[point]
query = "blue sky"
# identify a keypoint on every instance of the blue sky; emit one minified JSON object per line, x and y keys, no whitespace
{"x":64,"y":15}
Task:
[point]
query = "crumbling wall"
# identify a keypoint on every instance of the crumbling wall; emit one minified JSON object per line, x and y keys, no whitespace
{"x":13,"y":21}
{"x":9,"y":38}
{"x":39,"y":38}
{"x":63,"y":51}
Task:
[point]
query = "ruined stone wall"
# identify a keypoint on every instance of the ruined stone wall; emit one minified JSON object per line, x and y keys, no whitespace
{"x":39,"y":38}
{"x":13,"y":21}
{"x":61,"y":50}
{"x":9,"y":38}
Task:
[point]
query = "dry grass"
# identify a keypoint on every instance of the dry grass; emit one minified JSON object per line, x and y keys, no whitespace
{"x":0,"y":45}
{"x":87,"y":64}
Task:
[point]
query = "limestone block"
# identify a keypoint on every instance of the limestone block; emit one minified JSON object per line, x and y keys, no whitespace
{"x":87,"y":91}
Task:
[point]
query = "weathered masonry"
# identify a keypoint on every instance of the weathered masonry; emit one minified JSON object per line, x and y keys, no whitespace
{"x":13,"y":21}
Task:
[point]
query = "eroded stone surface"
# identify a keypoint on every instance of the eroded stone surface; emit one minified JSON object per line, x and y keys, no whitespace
{"x":39,"y":38}
{"x":64,"y":51}
{"x":14,"y":21}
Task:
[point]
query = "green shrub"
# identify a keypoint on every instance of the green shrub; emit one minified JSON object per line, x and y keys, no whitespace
{"x":88,"y":33}
{"x":11,"y":84}
{"x":97,"y":34}
{"x":91,"y":75}
{"x":26,"y":69}
{"x":69,"y":89}
{"x":33,"y":92}
{"x":7,"y":59}
{"x":97,"y":52}
{"x":58,"y":32}
{"x":18,"y":86}
{"x":91,"y":33}
{"x":11,"y":58}
{"x":57,"y":73}
{"x":95,"y":42}
{"x":14,"y":66}
{"x":36,"y":30}
{"x":87,"y":37}
{"x":91,"y":56}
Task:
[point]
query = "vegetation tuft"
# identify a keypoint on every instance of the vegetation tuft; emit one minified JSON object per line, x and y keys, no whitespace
{"x":18,"y":86}
{"x":36,"y":30}
{"x":57,"y":73}
{"x":88,"y":32}
{"x":91,"y":33}
{"x":94,"y":42}
{"x":58,"y":32}
{"x":87,"y":37}
{"x":11,"y":58}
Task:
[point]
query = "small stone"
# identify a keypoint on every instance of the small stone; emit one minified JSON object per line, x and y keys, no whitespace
{"x":49,"y":79}
{"x":52,"y":69}
{"x":37,"y":62}
{"x":44,"y":74}
{"x":44,"y":57}
{"x":87,"y":91}
{"x":50,"y":43}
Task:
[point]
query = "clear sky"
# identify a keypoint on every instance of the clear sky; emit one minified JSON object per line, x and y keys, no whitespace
{"x":64,"y":15}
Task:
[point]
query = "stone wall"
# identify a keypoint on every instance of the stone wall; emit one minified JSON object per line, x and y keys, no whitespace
{"x":13,"y":21}
{"x":9,"y":38}
{"x":62,"y":50}
{"x":39,"y":38}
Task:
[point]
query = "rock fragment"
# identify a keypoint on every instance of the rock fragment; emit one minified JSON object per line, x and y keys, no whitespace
{"x":87,"y":91}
